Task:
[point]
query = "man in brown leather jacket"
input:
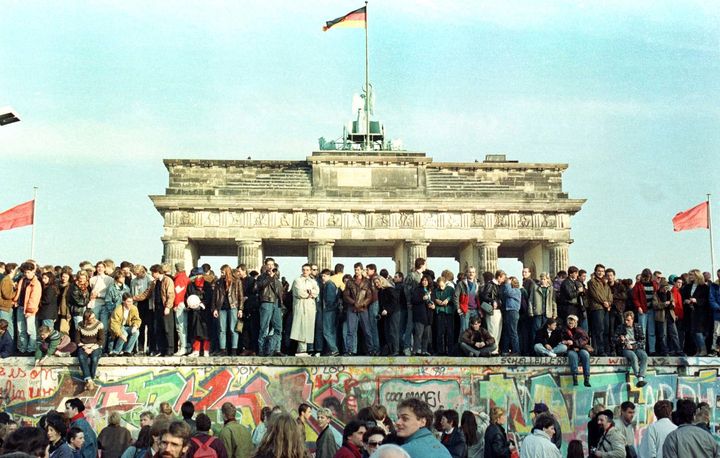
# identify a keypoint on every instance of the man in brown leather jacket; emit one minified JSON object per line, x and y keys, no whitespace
{"x":357,"y":297}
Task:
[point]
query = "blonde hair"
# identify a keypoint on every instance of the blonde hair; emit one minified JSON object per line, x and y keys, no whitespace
{"x":495,"y":414}
{"x":139,"y":268}
{"x":514,"y":282}
{"x":114,"y":418}
{"x":699,"y":277}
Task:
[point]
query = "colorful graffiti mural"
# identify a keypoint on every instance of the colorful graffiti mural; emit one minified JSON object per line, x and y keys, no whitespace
{"x":513,"y":383}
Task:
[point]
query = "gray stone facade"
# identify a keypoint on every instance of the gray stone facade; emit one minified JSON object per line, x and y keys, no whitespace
{"x":350,"y":204}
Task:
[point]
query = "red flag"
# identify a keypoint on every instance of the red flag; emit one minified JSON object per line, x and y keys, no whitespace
{"x":695,"y":218}
{"x":19,"y":216}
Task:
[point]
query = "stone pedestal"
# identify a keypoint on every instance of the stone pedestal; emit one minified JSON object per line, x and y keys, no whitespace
{"x":487,"y":257}
{"x":174,"y":252}
{"x":558,"y":257}
{"x":320,"y":252}
{"x":249,"y":252}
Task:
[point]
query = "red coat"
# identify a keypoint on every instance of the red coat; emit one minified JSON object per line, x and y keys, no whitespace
{"x":181,"y":281}
{"x":638,"y":295}
{"x":677,"y":298}
{"x":348,"y":451}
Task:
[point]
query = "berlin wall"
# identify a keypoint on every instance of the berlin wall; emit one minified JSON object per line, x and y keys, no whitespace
{"x":133,"y":385}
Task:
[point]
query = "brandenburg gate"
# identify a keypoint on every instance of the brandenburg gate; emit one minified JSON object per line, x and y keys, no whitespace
{"x":368,"y":204}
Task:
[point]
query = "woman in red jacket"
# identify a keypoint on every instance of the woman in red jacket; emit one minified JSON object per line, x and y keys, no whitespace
{"x":677,"y":283}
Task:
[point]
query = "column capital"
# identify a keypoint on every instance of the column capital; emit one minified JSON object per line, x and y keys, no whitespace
{"x":173,"y":240}
{"x":251,"y":242}
{"x":414,"y":242}
{"x":322,"y":242}
{"x":488,"y":243}
{"x":559,"y":243}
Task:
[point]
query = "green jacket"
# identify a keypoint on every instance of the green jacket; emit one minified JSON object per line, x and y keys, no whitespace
{"x":237,"y":440}
{"x":439,"y":295}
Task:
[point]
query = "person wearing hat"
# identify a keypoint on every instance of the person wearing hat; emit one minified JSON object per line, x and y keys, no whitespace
{"x":542,"y":409}
{"x":578,"y":344}
{"x":612,"y":442}
{"x":538,"y":444}
{"x":198,"y":313}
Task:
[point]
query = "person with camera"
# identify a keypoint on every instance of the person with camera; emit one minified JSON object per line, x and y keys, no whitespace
{"x":571,"y":295}
{"x":612,"y":442}
{"x":631,"y":343}
{"x":270,"y":291}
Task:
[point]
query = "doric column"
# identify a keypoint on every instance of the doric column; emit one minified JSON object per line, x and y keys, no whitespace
{"x":467,"y":255}
{"x":174,"y":252}
{"x":415,"y":249}
{"x":249,"y":253}
{"x":400,"y":257}
{"x":320,"y":252}
{"x":487,"y":257}
{"x":558,"y":257}
{"x":191,"y":256}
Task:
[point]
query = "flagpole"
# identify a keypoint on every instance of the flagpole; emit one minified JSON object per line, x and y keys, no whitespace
{"x":32,"y":237}
{"x":712,"y":249}
{"x":367,"y":83}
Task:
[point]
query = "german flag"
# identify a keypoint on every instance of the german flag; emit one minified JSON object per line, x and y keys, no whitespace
{"x":357,"y":18}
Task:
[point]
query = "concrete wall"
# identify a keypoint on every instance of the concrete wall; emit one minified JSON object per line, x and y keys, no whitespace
{"x":133,"y":385}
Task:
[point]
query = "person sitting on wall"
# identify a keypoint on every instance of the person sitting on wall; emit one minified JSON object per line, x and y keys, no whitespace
{"x":548,"y":340}
{"x":578,"y":344}
{"x":630,"y":342}
{"x":125,"y":326}
{"x":476,"y":340}
{"x":52,"y":343}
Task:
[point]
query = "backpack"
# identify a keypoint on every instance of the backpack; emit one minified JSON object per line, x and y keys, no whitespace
{"x":204,"y":450}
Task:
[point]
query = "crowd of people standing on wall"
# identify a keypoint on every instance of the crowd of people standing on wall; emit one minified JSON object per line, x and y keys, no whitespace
{"x":109,"y":310}
{"x":416,"y":432}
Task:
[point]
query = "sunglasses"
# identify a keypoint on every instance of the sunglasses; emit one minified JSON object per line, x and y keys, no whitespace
{"x":374,"y":444}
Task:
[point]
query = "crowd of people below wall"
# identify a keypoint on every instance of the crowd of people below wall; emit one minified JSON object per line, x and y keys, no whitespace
{"x":417,"y":432}
{"x":109,"y":310}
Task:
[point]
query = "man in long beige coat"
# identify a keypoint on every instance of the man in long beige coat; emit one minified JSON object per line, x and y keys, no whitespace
{"x":304,"y":290}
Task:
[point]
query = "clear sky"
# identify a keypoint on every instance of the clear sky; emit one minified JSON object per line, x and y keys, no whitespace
{"x":626,"y":92}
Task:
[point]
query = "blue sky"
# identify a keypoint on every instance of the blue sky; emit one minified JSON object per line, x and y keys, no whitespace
{"x":626,"y":92}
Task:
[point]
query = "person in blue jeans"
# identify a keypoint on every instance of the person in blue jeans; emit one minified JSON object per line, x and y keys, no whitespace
{"x":512,"y":295}
{"x":270,"y":291}
{"x":90,"y":338}
{"x":329,"y":299}
{"x":548,"y":340}
{"x":631,"y":341}
{"x":227,"y":307}
{"x":577,"y":340}
{"x":373,"y":308}
{"x":125,"y":326}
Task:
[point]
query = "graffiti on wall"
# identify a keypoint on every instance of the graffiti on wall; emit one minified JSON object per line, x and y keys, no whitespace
{"x":29,"y":392}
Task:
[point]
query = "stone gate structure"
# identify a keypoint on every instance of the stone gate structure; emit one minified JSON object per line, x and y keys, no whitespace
{"x":371,"y":204}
